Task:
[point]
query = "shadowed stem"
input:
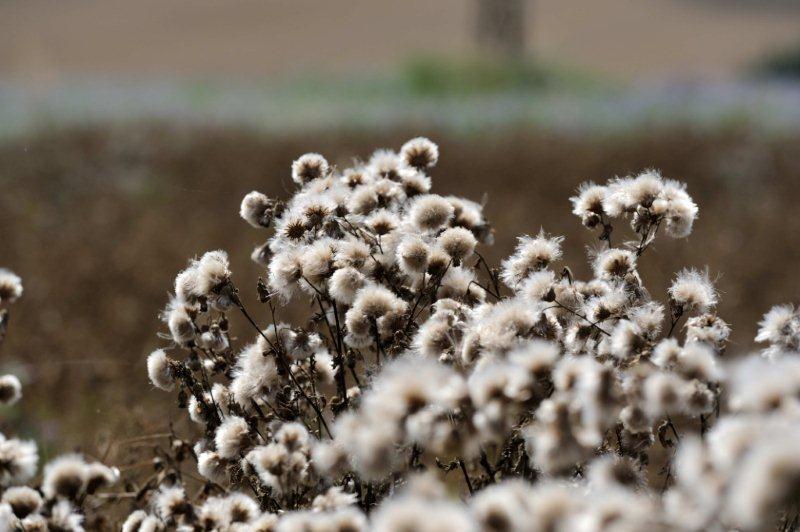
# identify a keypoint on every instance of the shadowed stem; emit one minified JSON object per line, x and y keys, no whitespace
{"x":466,"y":475}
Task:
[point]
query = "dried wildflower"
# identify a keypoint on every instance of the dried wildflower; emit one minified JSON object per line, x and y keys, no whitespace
{"x":254,"y":375}
{"x":780,"y":327}
{"x":10,"y":286}
{"x":385,"y":164}
{"x":708,"y":328}
{"x":382,"y":222}
{"x":232,"y":436}
{"x":421,"y":514}
{"x":430,"y":212}
{"x":99,"y":476}
{"x":179,"y":320}
{"x":285,"y":270}
{"x":65,"y":477}
{"x":457,"y":242}
{"x":212,"y":272}
{"x":211,"y":466}
{"x":19,"y":460}
{"x":666,"y":353}
{"x":692,"y":290}
{"x":698,"y":361}
{"x":344,"y":284}
{"x":134,"y":521}
{"x":624,"y":195}
{"x":663,"y":394}
{"x":756,"y":385}
{"x":159,"y":369}
{"x":588,"y":203}
{"x":505,"y":506}
{"x":64,"y":516}
{"x":363,"y":200}
{"x":23,"y":500}
{"x":420,"y":153}
{"x":614,"y":264}
{"x":531,"y":254}
{"x":333,"y":499}
{"x":412,"y":255}
{"x":257,"y":209}
{"x":10,"y":390}
{"x":767,"y":476}
{"x":240,"y":508}
{"x":678,"y":209}
{"x":309,"y":167}
{"x":414,"y":183}
{"x":613,"y":471}
{"x":171,"y":502}
{"x":460,"y":284}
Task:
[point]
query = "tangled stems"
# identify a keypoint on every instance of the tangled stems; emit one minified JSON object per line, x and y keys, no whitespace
{"x":278,"y":353}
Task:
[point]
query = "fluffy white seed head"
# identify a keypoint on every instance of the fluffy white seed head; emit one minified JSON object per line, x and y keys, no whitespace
{"x":232,"y":436}
{"x":256,"y":209}
{"x":459,"y":243}
{"x":430,"y":212}
{"x":780,"y":328}
{"x":213,"y":270}
{"x":64,"y":516}
{"x":23,"y":500}
{"x":65,"y":477}
{"x":614,"y":264}
{"x":159,"y":369}
{"x":170,"y":501}
{"x":588,"y":203}
{"x":10,"y":286}
{"x":309,"y":167}
{"x":531,"y":254}
{"x":211,"y":466}
{"x":10,"y":389}
{"x":344,"y":284}
{"x":420,"y":153}
{"x":179,"y":321}
{"x":412,"y":255}
{"x":20,"y":460}
{"x":692,"y":290}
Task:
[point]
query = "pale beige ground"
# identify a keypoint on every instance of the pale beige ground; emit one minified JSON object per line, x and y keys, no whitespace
{"x":48,"y":40}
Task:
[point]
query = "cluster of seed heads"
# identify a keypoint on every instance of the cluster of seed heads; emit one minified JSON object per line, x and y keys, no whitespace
{"x":429,"y":391}
{"x":59,"y":497}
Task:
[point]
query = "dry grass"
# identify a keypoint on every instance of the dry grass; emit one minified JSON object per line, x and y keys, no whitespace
{"x":97,"y":222}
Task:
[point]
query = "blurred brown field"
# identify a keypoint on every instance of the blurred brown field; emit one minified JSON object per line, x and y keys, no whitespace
{"x":97,"y":221}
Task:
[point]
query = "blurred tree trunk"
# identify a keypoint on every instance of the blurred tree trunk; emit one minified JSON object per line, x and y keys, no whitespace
{"x":500,"y":26}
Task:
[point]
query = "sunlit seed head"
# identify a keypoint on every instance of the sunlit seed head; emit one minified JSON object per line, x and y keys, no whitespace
{"x":457,"y":242}
{"x":159,"y":369}
{"x":65,"y":477}
{"x":256,"y":209}
{"x":23,"y":500}
{"x":420,"y":153}
{"x":309,"y":167}
{"x":10,"y":286}
{"x":430,"y":212}
{"x":10,"y":389}
{"x":692,"y":290}
{"x":412,"y":254}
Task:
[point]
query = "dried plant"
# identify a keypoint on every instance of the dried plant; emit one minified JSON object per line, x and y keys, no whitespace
{"x":430,"y":391}
{"x":67,"y":490}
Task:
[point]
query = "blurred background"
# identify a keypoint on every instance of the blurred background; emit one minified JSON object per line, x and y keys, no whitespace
{"x":130,"y":130}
